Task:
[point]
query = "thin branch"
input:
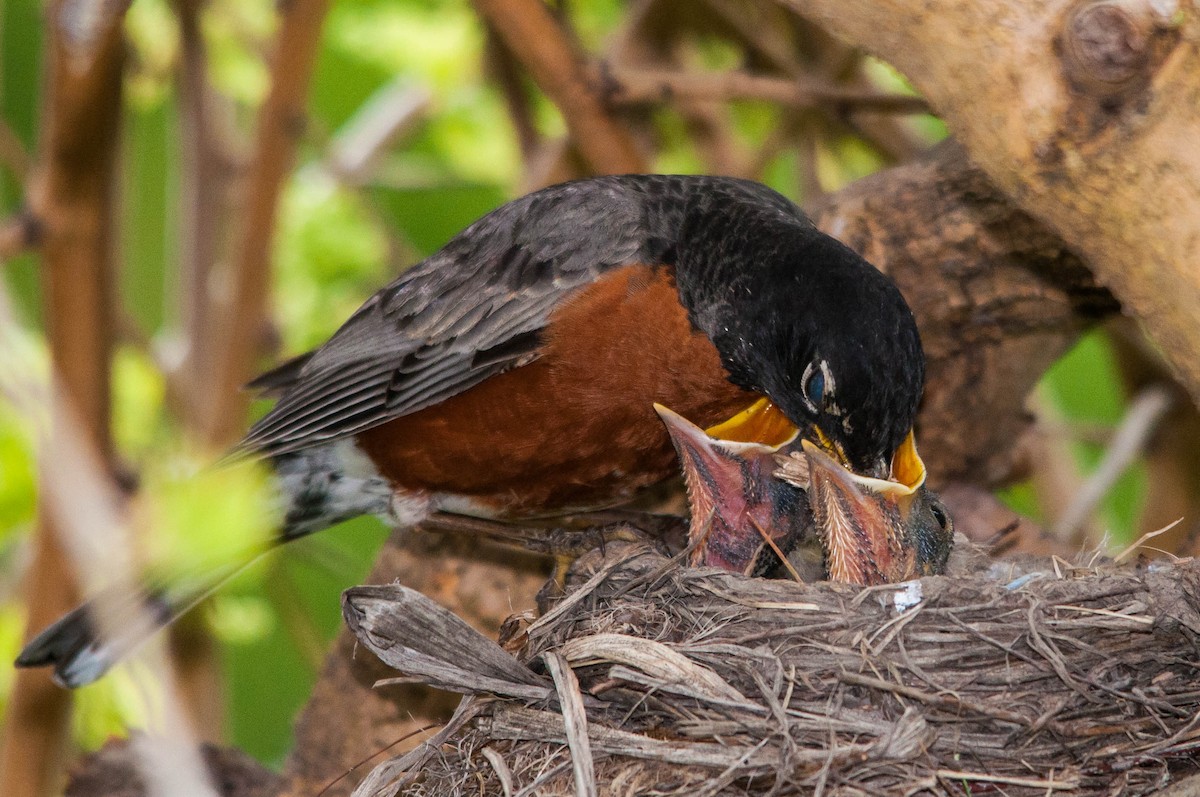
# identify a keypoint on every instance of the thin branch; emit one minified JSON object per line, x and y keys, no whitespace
{"x":789,"y":131}
{"x":764,"y":31}
{"x":387,"y":115}
{"x":207,"y":174}
{"x":533,"y":35}
{"x":1142,"y":540}
{"x":129,"y":332}
{"x":1066,"y":784}
{"x":19,"y":234}
{"x":505,"y":70}
{"x":72,"y":193}
{"x":12,"y":152}
{"x":1128,"y":443}
{"x":641,"y":86}
{"x":281,"y":122}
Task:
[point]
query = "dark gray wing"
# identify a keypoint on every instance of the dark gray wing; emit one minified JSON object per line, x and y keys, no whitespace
{"x":475,"y":308}
{"x":279,"y":380}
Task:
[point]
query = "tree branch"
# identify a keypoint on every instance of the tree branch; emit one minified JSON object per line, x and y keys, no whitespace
{"x":505,"y":71}
{"x":1085,"y":113}
{"x":207,"y":179}
{"x":533,"y":35}
{"x":241,"y":318}
{"x":640,"y":86}
{"x":71,"y":192}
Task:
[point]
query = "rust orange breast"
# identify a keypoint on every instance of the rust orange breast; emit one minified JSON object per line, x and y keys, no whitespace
{"x":576,"y":428}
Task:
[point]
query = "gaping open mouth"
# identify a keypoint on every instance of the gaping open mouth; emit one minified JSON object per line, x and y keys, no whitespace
{"x":760,"y":423}
{"x":738,"y":508}
{"x":862,"y":519}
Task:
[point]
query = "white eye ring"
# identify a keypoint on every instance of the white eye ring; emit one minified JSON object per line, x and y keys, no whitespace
{"x":828,"y":387}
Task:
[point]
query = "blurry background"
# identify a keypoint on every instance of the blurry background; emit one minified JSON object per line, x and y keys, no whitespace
{"x":419,"y":120}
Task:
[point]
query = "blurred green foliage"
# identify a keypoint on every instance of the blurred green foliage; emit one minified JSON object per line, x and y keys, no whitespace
{"x":335,"y":244}
{"x":1085,"y":386}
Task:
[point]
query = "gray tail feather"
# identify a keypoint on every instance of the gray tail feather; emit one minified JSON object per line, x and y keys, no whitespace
{"x":318,"y":491}
{"x":73,"y":647}
{"x":80,"y":654}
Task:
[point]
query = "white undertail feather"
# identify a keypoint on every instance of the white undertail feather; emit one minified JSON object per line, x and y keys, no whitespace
{"x":326,"y":484}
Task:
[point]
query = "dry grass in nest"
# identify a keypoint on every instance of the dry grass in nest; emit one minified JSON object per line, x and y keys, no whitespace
{"x":652,"y":679}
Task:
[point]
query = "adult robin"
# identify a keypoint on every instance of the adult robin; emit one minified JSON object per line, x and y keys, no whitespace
{"x":513,"y":374}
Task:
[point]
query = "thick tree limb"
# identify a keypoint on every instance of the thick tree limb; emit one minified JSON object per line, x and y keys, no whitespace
{"x":532,"y":34}
{"x":1085,"y":114}
{"x":71,"y":193}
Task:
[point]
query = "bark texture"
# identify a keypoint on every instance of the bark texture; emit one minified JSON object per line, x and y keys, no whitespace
{"x":1085,"y":114}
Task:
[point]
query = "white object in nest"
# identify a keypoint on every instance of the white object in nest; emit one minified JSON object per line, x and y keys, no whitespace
{"x":908,"y":596}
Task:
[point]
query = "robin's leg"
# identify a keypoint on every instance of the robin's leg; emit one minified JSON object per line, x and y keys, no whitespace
{"x":568,"y":536}
{"x":565,"y":539}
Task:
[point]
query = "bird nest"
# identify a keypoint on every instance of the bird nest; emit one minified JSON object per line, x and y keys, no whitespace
{"x":651,"y":678}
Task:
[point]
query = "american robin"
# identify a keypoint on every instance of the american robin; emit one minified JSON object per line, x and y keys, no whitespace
{"x":513,"y":373}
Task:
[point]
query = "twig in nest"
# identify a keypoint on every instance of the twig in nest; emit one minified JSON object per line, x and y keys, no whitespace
{"x":358,"y":764}
{"x":1033,"y":783}
{"x":1142,"y":540}
{"x":575,"y":722}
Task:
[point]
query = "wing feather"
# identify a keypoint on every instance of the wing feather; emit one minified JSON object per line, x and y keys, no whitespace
{"x":475,"y":308}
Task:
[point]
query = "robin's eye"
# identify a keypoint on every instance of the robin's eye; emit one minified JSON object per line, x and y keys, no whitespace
{"x":816,"y":388}
{"x":817,"y":385}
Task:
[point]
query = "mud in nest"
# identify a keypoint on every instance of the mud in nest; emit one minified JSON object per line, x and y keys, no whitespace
{"x":653,"y":679}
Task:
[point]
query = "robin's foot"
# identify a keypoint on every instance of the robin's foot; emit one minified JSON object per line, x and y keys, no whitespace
{"x":567,"y":538}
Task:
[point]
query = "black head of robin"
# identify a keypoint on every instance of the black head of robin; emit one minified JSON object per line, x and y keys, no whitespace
{"x":835,"y":348}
